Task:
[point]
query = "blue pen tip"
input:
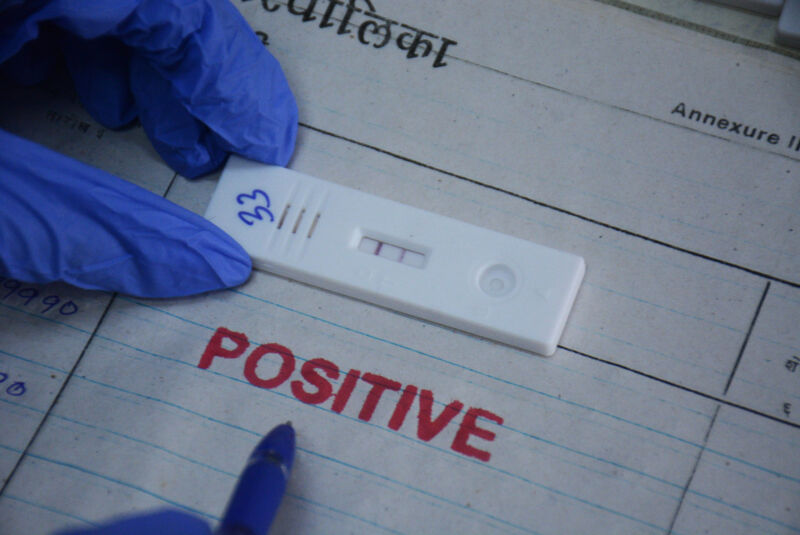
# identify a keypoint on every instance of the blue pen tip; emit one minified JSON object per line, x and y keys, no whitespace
{"x":278,"y":445}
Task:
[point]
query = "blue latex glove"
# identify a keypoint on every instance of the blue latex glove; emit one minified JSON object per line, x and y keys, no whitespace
{"x":202,"y":86}
{"x":164,"y":522}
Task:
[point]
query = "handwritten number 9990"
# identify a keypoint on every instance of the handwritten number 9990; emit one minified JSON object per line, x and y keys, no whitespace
{"x":258,"y":196}
{"x":29,"y":293}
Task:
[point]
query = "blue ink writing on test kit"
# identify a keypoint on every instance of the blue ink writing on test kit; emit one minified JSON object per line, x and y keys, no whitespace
{"x":29,"y":294}
{"x":256,"y":213}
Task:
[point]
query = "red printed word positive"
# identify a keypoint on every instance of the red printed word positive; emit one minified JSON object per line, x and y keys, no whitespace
{"x":319,"y":380}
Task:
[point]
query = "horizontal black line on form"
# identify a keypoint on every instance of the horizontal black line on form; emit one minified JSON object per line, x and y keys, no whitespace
{"x":556,"y":208}
{"x":605,"y":225}
{"x":736,"y":141}
{"x":682,"y":387}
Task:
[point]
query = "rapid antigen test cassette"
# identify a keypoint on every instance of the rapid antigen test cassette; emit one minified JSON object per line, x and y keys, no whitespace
{"x":403,"y":258}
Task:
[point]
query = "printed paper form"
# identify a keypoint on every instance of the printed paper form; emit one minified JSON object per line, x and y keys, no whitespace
{"x":631,"y":427}
{"x":45,"y":329}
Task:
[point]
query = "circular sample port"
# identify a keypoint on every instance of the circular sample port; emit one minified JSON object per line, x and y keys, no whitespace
{"x":497,"y":280}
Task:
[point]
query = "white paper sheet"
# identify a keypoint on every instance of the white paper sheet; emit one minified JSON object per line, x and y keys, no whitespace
{"x":671,"y":405}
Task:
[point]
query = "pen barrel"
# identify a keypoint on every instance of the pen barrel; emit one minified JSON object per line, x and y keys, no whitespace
{"x":255,"y":499}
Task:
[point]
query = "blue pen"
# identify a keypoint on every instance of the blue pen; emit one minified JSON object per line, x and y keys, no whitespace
{"x":260,"y":488}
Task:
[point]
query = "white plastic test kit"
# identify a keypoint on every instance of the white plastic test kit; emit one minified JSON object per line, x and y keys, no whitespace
{"x":403,"y":258}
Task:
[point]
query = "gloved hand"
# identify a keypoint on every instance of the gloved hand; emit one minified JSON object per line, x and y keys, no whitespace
{"x":201,"y":84}
{"x":163,"y":522}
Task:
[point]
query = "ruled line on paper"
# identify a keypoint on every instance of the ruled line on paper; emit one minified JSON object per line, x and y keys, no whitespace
{"x":176,"y":406}
{"x":694,"y":468}
{"x":209,"y":328}
{"x":746,"y":338}
{"x":555,"y":208}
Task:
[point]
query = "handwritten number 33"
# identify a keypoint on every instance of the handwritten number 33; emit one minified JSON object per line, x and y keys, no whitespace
{"x":248,"y":218}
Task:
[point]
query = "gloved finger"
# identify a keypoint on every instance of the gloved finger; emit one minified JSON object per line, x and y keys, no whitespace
{"x":220,"y":73}
{"x":169,"y":522}
{"x":64,"y":220}
{"x":217,"y":70}
{"x":215,"y":66}
{"x":101,"y":75}
{"x":186,"y":144}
